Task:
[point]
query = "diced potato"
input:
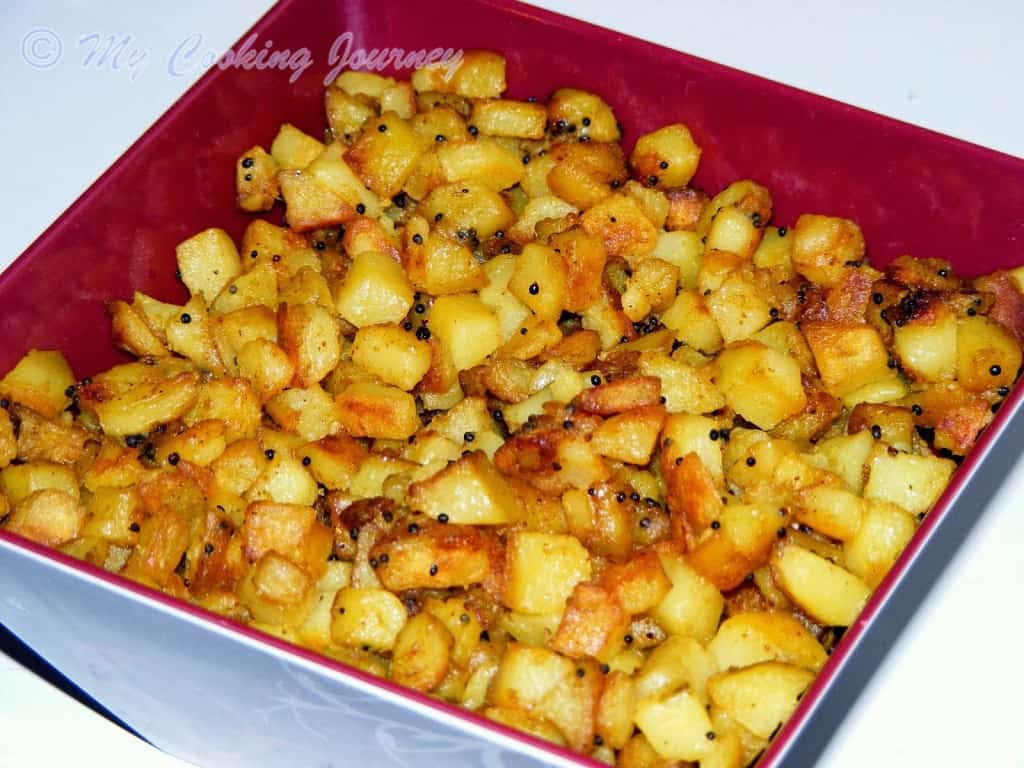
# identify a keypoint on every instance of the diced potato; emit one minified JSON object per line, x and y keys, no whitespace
{"x":49,"y":516}
{"x":384,"y":154}
{"x":421,"y":653}
{"x":466,"y":327}
{"x":543,"y":569}
{"x":676,"y":727}
{"x":310,"y":337}
{"x":739,"y":308}
{"x":594,"y":624}
{"x":367,"y":617}
{"x":884,"y":532}
{"x":735,"y":231}
{"x":484,"y":162}
{"x":750,"y":638}
{"x":678,"y":663}
{"x":277,"y":591}
{"x":504,"y":117}
{"x":375,"y":291}
{"x":760,"y":383}
{"x":436,"y":555}
{"x":308,"y":412}
{"x":615,"y":710}
{"x":377,"y":410}
{"x":294,"y":149}
{"x":148,"y":404}
{"x":256,"y":180}
{"x":130,"y":332}
{"x":539,"y":280}
{"x":912,"y":482}
{"x":345,"y":113}
{"x":620,"y":222}
{"x":393,"y":355}
{"x":475,"y":74}
{"x":849,"y":357}
{"x":39,"y":381}
{"x":285,"y":481}
{"x":835,"y":512}
{"x":847,"y":456}
{"x":538,"y":209}
{"x":469,"y":208}
{"x":825,"y":591}
{"x":208,"y":261}
{"x":760,"y":696}
{"x":927,"y":346}
{"x":353,"y":198}
{"x":987,"y":355}
{"x":823,"y":246}
{"x":469,"y":491}
{"x":693,"y":606}
{"x":588,"y":112}
{"x":669,"y":154}
{"x":630,"y":436}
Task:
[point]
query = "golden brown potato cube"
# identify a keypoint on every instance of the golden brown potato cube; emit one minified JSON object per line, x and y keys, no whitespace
{"x":668,"y":154}
{"x":239,"y":465}
{"x":440,"y":265}
{"x":536,"y":211}
{"x":620,"y":222}
{"x":504,"y":117}
{"x":834,"y":512}
{"x":425,"y":554}
{"x":638,"y":584}
{"x":584,"y":259}
{"x":601,"y":523}
{"x":308,"y":412}
{"x":384,"y":154}
{"x":676,"y":726}
{"x":332,"y":172}
{"x":143,"y":407}
{"x":277,"y":591}
{"x":785,"y":337}
{"x":391,"y":354}
{"x":267,"y":366}
{"x":685,"y":208}
{"x":619,"y":395}
{"x":913,"y":482}
{"x":369,"y":85}
{"x":261,"y":242}
{"x":115,"y":515}
{"x":739,"y":308}
{"x":539,"y":280}
{"x":129,"y":331}
{"x":422,"y":652}
{"x":291,"y":530}
{"x":823,"y":246}
{"x":310,"y":336}
{"x":987,"y":355}
{"x":692,"y":322}
{"x":399,"y":98}
{"x":162,"y":541}
{"x":614,"y":719}
{"x":543,"y":569}
{"x":760,"y":383}
{"x":190,"y":335}
{"x":693,"y":606}
{"x":544,"y":683}
{"x":577,"y":350}
{"x":735,"y":231}
{"x":630,"y":436}
{"x":588,"y":112}
{"x":749,"y":196}
{"x":39,"y":381}
{"x":310,"y":204}
{"x":761,"y":696}
{"x":48,"y":516}
{"x":256,"y":187}
{"x":201,"y":444}
{"x":308,"y":286}
{"x":848,"y":357}
{"x":469,"y":491}
{"x":378,"y":411}
{"x":593,"y":624}
{"x":475,"y":74}
{"x":536,"y":334}
{"x":884,"y":532}
{"x":256,"y":287}
{"x":440,"y":121}
{"x":333,"y":460}
{"x":293,"y":149}
{"x":367,"y":617}
{"x":927,"y":344}
{"x":467,"y":209}
{"x":582,"y":174}
{"x":652,"y":202}
{"x":466,"y":327}
{"x":823,"y":590}
{"x":893,"y":424}
{"x":774,"y":252}
{"x":676,"y":663}
{"x":345,"y":113}
{"x":482,"y":161}
{"x":750,"y":638}
{"x":375,"y":291}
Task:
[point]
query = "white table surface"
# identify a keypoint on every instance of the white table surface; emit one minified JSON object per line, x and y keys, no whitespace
{"x":947,"y":693}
